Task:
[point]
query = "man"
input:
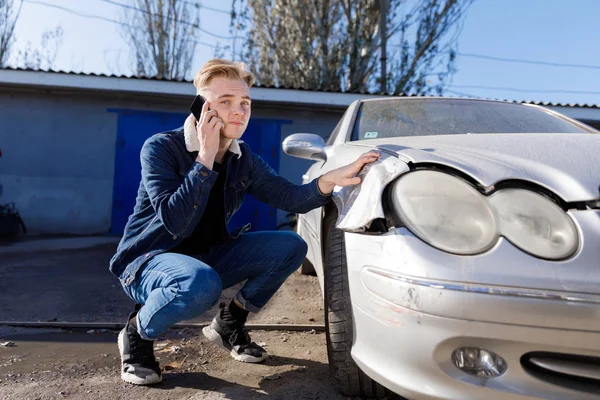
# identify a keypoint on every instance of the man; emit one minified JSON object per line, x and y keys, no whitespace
{"x":176,"y":254}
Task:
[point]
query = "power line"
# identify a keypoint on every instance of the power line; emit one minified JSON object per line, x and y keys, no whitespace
{"x":199,"y":5}
{"x":205,"y":44}
{"x":75,"y":12}
{"x":520,"y":60}
{"x":194,"y":25}
{"x":461,"y":93}
{"x":524,"y":61}
{"x":525,"y":90}
{"x":91,"y":16}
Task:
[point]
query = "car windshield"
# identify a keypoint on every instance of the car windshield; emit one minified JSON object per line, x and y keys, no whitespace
{"x":418,"y":117}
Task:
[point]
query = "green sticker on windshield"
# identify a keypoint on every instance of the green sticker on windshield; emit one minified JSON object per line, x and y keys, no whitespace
{"x":371,"y":135}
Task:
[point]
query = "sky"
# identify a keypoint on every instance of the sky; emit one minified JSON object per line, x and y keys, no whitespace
{"x":541,"y":31}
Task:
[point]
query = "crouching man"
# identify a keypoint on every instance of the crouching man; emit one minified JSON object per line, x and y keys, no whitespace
{"x":176,"y":254}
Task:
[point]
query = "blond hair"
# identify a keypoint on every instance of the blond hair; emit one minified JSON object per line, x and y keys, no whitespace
{"x":219,"y":68}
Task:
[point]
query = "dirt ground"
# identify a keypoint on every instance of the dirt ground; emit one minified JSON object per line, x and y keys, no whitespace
{"x":75,"y":286}
{"x":77,"y":365}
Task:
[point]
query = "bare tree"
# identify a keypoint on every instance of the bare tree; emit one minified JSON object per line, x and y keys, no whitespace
{"x":294,"y":43}
{"x":162,"y":36}
{"x":8,"y":19}
{"x":425,"y":62}
{"x":338,"y":44}
{"x":43,"y":57}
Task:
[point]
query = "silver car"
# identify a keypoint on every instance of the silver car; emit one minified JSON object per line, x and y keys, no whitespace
{"x":466,"y":265}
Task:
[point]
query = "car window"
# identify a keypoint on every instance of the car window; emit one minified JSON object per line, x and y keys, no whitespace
{"x":418,"y":117}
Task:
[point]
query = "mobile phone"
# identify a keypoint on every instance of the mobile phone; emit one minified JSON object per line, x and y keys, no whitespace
{"x":196,"y":107}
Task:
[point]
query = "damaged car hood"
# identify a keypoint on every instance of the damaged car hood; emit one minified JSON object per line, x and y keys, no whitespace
{"x":566,"y":164}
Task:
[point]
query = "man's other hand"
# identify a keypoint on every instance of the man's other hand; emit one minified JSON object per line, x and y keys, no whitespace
{"x":346,"y":176}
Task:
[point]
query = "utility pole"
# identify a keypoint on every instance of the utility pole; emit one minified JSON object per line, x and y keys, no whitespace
{"x":383,"y":10}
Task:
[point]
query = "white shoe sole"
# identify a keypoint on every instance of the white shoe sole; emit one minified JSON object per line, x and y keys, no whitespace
{"x":130,"y":378}
{"x":214,"y":337}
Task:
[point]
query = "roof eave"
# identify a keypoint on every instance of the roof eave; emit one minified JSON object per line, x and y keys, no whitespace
{"x":126,"y":85}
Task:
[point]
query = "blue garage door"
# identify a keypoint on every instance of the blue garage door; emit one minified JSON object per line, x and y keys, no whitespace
{"x":134,"y":127}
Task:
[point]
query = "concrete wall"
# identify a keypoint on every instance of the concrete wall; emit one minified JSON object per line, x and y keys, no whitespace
{"x":57,"y":161}
{"x":58,"y":152}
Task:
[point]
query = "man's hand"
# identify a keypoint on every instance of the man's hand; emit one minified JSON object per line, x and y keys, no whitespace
{"x":209,"y":134}
{"x":345,"y":176}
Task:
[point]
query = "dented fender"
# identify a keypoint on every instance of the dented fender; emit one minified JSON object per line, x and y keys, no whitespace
{"x":359,"y":205}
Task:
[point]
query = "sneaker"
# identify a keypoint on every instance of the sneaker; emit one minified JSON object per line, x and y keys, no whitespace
{"x":138,"y":365}
{"x":233,"y":336}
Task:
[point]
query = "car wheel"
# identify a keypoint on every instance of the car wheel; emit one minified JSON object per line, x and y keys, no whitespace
{"x":348,"y":379}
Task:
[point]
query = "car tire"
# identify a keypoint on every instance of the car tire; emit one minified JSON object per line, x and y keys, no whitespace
{"x":348,"y":379}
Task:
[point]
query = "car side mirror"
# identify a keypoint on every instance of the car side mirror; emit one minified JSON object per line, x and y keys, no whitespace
{"x":305,"y":145}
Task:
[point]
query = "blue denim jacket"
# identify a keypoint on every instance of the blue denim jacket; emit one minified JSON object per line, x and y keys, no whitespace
{"x":174,"y":190}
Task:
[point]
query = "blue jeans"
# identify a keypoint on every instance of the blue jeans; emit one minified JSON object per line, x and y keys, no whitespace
{"x":173,"y":287}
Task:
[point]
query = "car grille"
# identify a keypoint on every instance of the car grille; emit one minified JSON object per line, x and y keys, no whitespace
{"x":570,"y":371}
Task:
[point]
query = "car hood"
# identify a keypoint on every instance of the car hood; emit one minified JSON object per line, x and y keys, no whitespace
{"x":566,"y":164}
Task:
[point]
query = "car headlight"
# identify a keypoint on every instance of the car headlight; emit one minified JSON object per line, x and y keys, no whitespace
{"x":451,"y":215}
{"x":445,"y":212}
{"x":534,"y":223}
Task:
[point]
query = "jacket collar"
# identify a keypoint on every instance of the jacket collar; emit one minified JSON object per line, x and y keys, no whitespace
{"x":192,"y":143}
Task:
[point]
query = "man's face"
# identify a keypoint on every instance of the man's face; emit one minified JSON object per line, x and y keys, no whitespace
{"x":231,"y":100}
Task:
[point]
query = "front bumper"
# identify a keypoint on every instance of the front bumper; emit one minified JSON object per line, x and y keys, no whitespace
{"x":409,"y":353}
{"x":408,"y":320}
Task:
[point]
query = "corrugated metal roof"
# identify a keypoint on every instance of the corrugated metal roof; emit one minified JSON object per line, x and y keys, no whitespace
{"x":94,"y":74}
{"x":535,"y":102}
